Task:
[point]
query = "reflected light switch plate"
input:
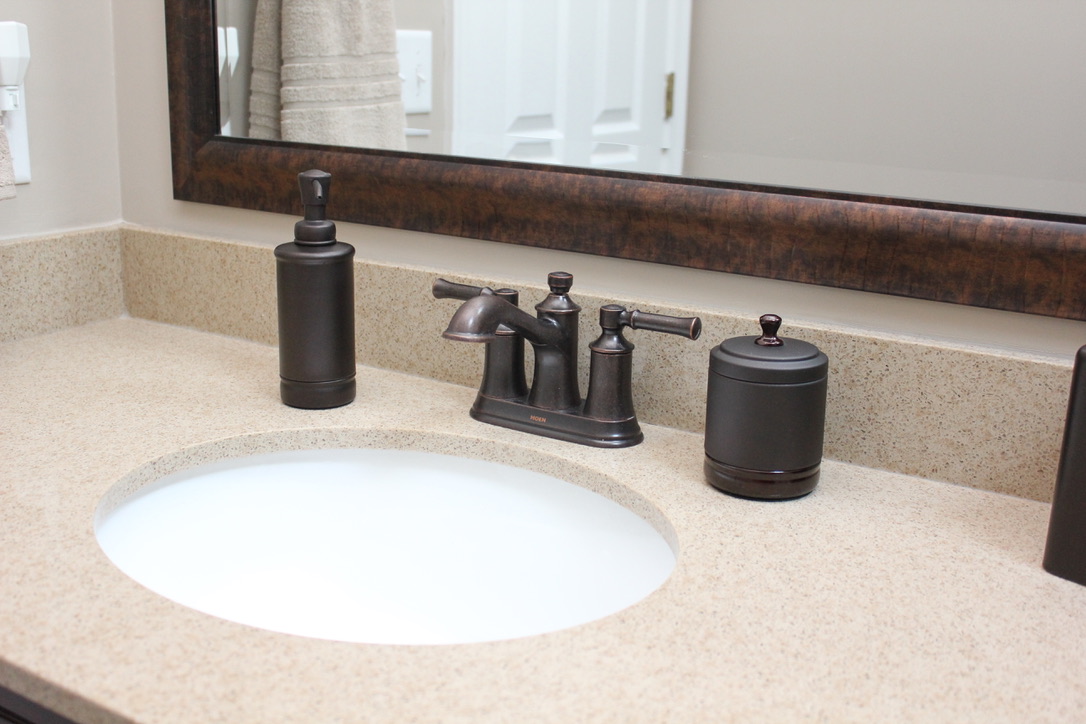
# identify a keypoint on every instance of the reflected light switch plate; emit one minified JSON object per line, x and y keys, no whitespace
{"x":415,"y":51}
{"x":14,"y":61}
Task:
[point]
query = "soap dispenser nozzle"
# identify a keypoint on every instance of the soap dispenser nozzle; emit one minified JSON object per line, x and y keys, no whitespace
{"x":315,"y":228}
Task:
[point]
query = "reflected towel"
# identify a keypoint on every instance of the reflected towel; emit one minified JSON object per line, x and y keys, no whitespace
{"x":7,"y":171}
{"x":325,"y":71}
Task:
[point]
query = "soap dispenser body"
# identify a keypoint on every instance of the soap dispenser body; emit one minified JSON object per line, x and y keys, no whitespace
{"x":1065,"y":550}
{"x":315,"y":287}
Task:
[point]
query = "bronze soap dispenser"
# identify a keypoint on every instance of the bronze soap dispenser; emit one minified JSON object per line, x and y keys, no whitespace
{"x":765,"y":415}
{"x":315,"y":290}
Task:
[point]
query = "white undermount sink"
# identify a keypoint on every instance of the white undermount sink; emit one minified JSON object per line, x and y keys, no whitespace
{"x":385,"y":546}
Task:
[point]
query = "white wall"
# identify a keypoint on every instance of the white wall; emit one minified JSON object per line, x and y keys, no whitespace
{"x":71,"y":119}
{"x":81,"y":125}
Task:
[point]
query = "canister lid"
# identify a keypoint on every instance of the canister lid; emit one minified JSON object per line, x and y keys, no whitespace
{"x":769,"y":358}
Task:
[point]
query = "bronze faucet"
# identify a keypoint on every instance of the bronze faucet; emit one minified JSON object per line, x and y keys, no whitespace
{"x":553,"y":406}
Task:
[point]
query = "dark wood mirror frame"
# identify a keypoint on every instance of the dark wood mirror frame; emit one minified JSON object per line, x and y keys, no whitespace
{"x":1018,"y":261}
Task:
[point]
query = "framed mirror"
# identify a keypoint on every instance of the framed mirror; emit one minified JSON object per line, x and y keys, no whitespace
{"x":1020,"y":261}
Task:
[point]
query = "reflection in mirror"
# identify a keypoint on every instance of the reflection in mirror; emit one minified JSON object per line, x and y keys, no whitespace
{"x":587,"y":83}
{"x":914,"y":100}
{"x":317,"y":71}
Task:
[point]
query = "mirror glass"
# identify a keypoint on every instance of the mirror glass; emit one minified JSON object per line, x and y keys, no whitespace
{"x":962,"y":101}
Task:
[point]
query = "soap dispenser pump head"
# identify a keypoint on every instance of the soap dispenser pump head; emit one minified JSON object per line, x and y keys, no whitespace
{"x":315,"y":228}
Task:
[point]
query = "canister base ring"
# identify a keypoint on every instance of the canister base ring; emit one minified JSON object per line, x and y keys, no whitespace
{"x":761,"y":484}
{"x":317,"y":395}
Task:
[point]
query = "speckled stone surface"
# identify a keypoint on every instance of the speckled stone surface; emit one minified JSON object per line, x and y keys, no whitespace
{"x":52,"y":282}
{"x":200,"y":283}
{"x":945,"y":412}
{"x":879,"y":597}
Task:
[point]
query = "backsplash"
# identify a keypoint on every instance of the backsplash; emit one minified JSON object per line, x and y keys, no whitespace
{"x":951,"y":413}
{"x":53,"y":282}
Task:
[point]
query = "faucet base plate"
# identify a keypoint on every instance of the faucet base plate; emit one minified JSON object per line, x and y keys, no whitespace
{"x":569,"y":426}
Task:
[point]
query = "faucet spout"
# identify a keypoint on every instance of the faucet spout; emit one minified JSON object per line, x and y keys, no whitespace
{"x":478,"y":319}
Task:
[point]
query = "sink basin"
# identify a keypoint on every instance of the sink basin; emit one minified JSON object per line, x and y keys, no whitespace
{"x":384,"y":546}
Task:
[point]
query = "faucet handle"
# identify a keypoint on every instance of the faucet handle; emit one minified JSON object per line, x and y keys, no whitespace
{"x":610,"y":389}
{"x":689,"y":327}
{"x":444,"y":289}
{"x":613,"y":316}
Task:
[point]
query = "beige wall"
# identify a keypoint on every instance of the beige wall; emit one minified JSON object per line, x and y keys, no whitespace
{"x":973,"y":101}
{"x":84,"y":118}
{"x":71,"y":119}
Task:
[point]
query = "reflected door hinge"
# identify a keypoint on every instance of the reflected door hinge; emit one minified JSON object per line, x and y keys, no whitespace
{"x":669,"y":97}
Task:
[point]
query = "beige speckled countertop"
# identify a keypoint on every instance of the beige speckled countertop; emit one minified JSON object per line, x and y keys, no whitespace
{"x":879,"y":597}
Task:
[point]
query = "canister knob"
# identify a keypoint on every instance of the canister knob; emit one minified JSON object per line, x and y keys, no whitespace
{"x":771,"y":324}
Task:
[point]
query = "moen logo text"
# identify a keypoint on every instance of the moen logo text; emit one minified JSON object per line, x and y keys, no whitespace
{"x":537,"y":418}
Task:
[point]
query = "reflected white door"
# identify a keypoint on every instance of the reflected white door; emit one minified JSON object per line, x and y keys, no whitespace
{"x":573,"y":82}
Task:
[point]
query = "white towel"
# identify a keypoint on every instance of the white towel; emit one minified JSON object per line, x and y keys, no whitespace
{"x":325,"y":71}
{"x":7,"y":171}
